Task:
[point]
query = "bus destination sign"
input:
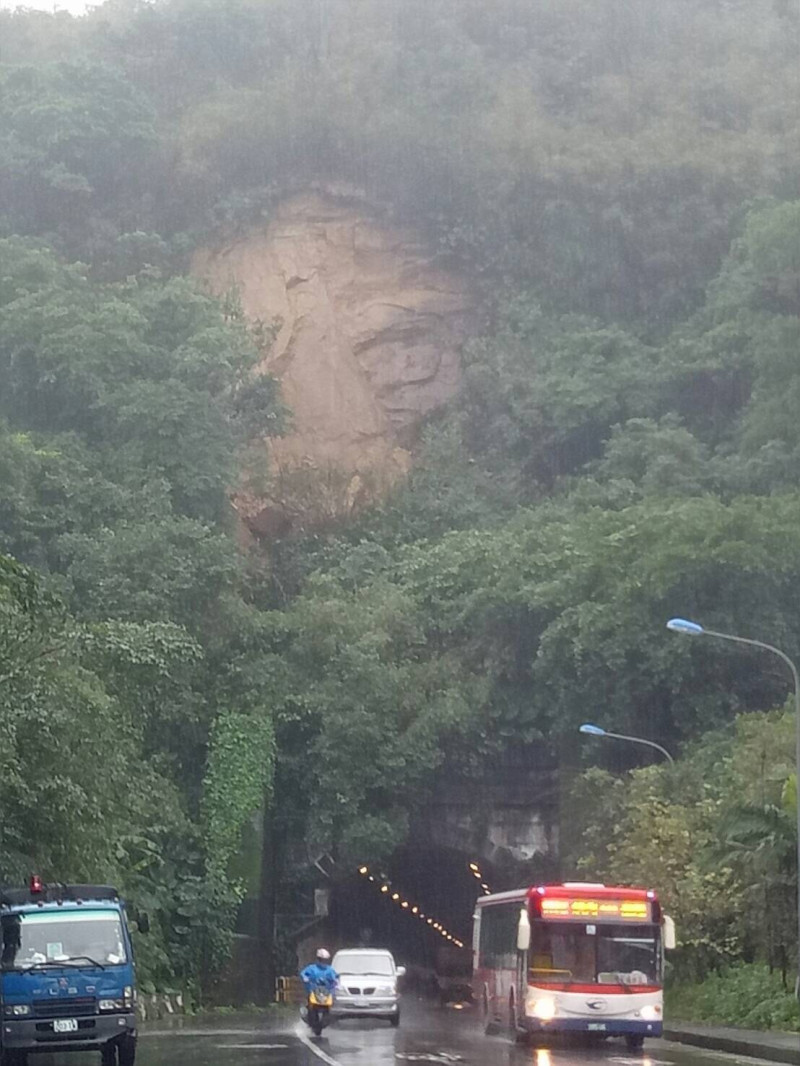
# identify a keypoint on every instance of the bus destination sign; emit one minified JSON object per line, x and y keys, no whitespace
{"x":583,"y":909}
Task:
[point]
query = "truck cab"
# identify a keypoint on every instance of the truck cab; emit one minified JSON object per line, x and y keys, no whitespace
{"x":66,"y":973}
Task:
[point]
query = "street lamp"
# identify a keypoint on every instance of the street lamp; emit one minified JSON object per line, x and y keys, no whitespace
{"x":694,"y":629}
{"x":596,"y":731}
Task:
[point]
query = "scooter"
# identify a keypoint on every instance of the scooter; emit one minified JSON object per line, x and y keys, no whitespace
{"x":317,"y":1013}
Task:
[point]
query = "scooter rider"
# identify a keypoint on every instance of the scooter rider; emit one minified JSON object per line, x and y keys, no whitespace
{"x":320,"y":973}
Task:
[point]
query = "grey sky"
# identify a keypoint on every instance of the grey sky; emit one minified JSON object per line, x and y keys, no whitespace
{"x":75,"y":7}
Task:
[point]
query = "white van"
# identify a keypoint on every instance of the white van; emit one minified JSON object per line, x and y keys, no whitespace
{"x":367,"y":984}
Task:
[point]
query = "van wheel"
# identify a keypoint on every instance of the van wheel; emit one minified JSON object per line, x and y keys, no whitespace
{"x":394,"y":1020}
{"x":14,"y":1058}
{"x":634,"y":1042}
{"x":108,"y":1056}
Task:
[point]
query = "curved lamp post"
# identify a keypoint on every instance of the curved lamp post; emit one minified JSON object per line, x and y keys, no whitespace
{"x":596,"y":731}
{"x":694,"y":629}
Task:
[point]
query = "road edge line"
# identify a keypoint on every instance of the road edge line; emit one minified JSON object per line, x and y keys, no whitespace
{"x":303,"y":1037}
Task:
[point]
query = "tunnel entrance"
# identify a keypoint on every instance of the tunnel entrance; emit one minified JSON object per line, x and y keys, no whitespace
{"x":422,"y":901}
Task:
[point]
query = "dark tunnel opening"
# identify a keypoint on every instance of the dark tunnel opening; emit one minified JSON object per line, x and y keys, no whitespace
{"x":419,"y":906}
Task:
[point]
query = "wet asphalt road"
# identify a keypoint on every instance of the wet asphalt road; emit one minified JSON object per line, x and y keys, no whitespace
{"x":426,"y":1035}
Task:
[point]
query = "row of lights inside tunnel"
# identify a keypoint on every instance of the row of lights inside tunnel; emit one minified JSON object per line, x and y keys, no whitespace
{"x":384,"y":886}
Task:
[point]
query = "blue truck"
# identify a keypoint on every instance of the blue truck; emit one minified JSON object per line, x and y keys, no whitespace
{"x":66,"y":973}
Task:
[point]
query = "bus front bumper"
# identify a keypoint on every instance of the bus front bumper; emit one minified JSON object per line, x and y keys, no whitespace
{"x":38,"y":1034}
{"x":608,"y":1027}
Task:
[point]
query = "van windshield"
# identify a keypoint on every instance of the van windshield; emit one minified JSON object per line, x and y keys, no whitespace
{"x":379,"y":965}
{"x":45,"y":938}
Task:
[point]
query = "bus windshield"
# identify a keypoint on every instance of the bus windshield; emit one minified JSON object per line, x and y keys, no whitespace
{"x":605,"y":954}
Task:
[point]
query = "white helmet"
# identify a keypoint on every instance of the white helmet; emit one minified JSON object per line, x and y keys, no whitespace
{"x":323,"y":955}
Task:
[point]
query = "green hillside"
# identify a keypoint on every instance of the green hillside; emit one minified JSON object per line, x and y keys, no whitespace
{"x":620,"y":181}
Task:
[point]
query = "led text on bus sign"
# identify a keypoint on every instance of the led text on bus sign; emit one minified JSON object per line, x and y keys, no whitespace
{"x":584,"y":909}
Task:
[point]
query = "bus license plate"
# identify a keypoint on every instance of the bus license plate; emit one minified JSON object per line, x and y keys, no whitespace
{"x":65,"y":1025}
{"x":596,"y":1027}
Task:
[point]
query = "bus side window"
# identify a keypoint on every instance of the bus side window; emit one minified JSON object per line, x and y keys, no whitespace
{"x":498,"y":938}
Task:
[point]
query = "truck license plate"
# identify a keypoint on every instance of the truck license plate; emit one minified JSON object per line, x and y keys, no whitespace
{"x":65,"y":1025}
{"x":597,"y":1027}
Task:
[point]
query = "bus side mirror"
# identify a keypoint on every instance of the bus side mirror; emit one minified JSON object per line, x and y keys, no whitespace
{"x":670,"y":940}
{"x":523,"y":931}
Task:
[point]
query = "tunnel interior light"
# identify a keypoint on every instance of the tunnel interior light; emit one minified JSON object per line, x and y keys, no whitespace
{"x":407,"y":905}
{"x":477,"y":873}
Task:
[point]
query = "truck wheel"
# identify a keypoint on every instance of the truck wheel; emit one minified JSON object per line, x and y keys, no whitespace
{"x":634,"y":1042}
{"x":14,"y":1058}
{"x":108,"y":1055}
{"x":126,"y":1051}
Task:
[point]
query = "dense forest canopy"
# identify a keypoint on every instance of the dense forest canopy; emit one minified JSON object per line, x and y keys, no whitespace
{"x":620,"y":179}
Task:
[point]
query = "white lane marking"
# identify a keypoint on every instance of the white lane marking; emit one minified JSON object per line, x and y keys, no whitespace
{"x":255,"y":1047}
{"x":304,"y":1039}
{"x":620,"y":1061}
{"x":432,"y":1056}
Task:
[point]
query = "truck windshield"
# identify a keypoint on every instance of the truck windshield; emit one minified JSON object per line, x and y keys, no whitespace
{"x":46,"y":938}
{"x":611,"y":954}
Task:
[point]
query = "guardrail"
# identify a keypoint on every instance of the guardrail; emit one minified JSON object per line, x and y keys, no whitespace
{"x":289,"y":990}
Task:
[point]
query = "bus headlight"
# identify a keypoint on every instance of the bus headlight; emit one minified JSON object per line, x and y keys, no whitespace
{"x":544,"y":1009}
{"x":650,"y":1013}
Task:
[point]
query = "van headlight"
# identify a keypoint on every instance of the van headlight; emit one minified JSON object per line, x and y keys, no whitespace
{"x":544,"y":1009}
{"x":650,"y":1013}
{"x":16,"y":1010}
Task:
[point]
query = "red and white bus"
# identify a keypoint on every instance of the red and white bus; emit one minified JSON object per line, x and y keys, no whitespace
{"x":575,"y":958}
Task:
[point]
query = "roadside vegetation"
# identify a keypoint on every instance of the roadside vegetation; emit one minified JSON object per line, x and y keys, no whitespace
{"x":620,"y":181}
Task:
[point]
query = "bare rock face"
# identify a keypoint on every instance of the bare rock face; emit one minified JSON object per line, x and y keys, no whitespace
{"x":369,"y":340}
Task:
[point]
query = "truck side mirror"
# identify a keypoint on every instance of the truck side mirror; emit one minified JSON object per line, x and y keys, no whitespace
{"x":401,"y":971}
{"x":523,"y":931}
{"x":670,"y":940}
